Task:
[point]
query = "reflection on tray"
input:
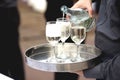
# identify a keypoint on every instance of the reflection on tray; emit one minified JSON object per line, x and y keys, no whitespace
{"x":38,"y":57}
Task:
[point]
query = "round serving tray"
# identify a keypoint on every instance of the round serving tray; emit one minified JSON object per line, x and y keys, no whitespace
{"x":37,"y":57}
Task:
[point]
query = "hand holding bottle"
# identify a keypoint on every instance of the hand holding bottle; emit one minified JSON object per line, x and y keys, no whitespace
{"x":84,"y":4}
{"x":79,"y":16}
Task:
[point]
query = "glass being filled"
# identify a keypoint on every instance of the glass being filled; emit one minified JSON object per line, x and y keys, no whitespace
{"x":65,"y":34}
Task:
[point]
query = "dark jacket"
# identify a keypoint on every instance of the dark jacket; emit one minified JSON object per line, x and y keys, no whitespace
{"x":108,"y":40}
{"x":8,"y":3}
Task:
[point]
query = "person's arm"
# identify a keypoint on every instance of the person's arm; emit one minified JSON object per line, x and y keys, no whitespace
{"x":109,"y":70}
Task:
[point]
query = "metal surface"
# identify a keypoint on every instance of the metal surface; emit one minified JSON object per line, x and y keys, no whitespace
{"x":37,"y":56}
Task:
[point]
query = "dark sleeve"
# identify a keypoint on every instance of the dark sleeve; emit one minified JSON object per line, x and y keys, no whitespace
{"x":93,"y":0}
{"x":109,"y":70}
{"x":117,"y":4}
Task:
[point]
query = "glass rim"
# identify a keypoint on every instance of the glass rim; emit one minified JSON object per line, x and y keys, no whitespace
{"x":62,"y":18}
{"x":51,"y":22}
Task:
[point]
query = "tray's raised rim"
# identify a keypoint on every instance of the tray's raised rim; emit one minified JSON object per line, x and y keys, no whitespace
{"x":27,"y":58}
{"x":37,"y":46}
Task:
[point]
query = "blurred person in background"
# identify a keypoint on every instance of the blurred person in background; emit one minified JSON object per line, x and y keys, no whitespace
{"x":107,"y":39}
{"x":11,"y":62}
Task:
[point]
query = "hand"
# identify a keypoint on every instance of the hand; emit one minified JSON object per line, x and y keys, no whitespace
{"x":84,"y":4}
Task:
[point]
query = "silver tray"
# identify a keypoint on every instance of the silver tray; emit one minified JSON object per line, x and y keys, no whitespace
{"x":36,"y":57}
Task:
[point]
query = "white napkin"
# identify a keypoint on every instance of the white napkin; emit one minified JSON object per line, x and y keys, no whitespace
{"x":4,"y":77}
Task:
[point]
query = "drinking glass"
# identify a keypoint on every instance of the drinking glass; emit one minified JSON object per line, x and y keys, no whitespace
{"x":65,"y":33}
{"x":53,"y":35}
{"x":78,"y":34}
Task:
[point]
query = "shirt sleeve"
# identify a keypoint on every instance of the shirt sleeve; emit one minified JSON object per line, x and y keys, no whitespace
{"x":109,"y":70}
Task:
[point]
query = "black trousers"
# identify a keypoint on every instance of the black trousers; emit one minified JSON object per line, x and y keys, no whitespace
{"x":11,"y":62}
{"x":65,"y":76}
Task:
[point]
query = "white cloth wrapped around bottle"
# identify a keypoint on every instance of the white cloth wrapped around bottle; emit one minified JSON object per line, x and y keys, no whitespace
{"x":38,"y":5}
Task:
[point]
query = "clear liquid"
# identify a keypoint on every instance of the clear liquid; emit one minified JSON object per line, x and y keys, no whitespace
{"x":53,"y":33}
{"x":65,"y":30}
{"x":53,"y":40}
{"x":65,"y":33}
{"x":78,"y":16}
{"x":78,"y":34}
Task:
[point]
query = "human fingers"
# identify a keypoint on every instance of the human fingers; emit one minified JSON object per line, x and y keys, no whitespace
{"x":84,"y":4}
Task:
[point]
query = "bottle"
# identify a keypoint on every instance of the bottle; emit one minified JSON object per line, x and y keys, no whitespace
{"x":79,"y":16}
